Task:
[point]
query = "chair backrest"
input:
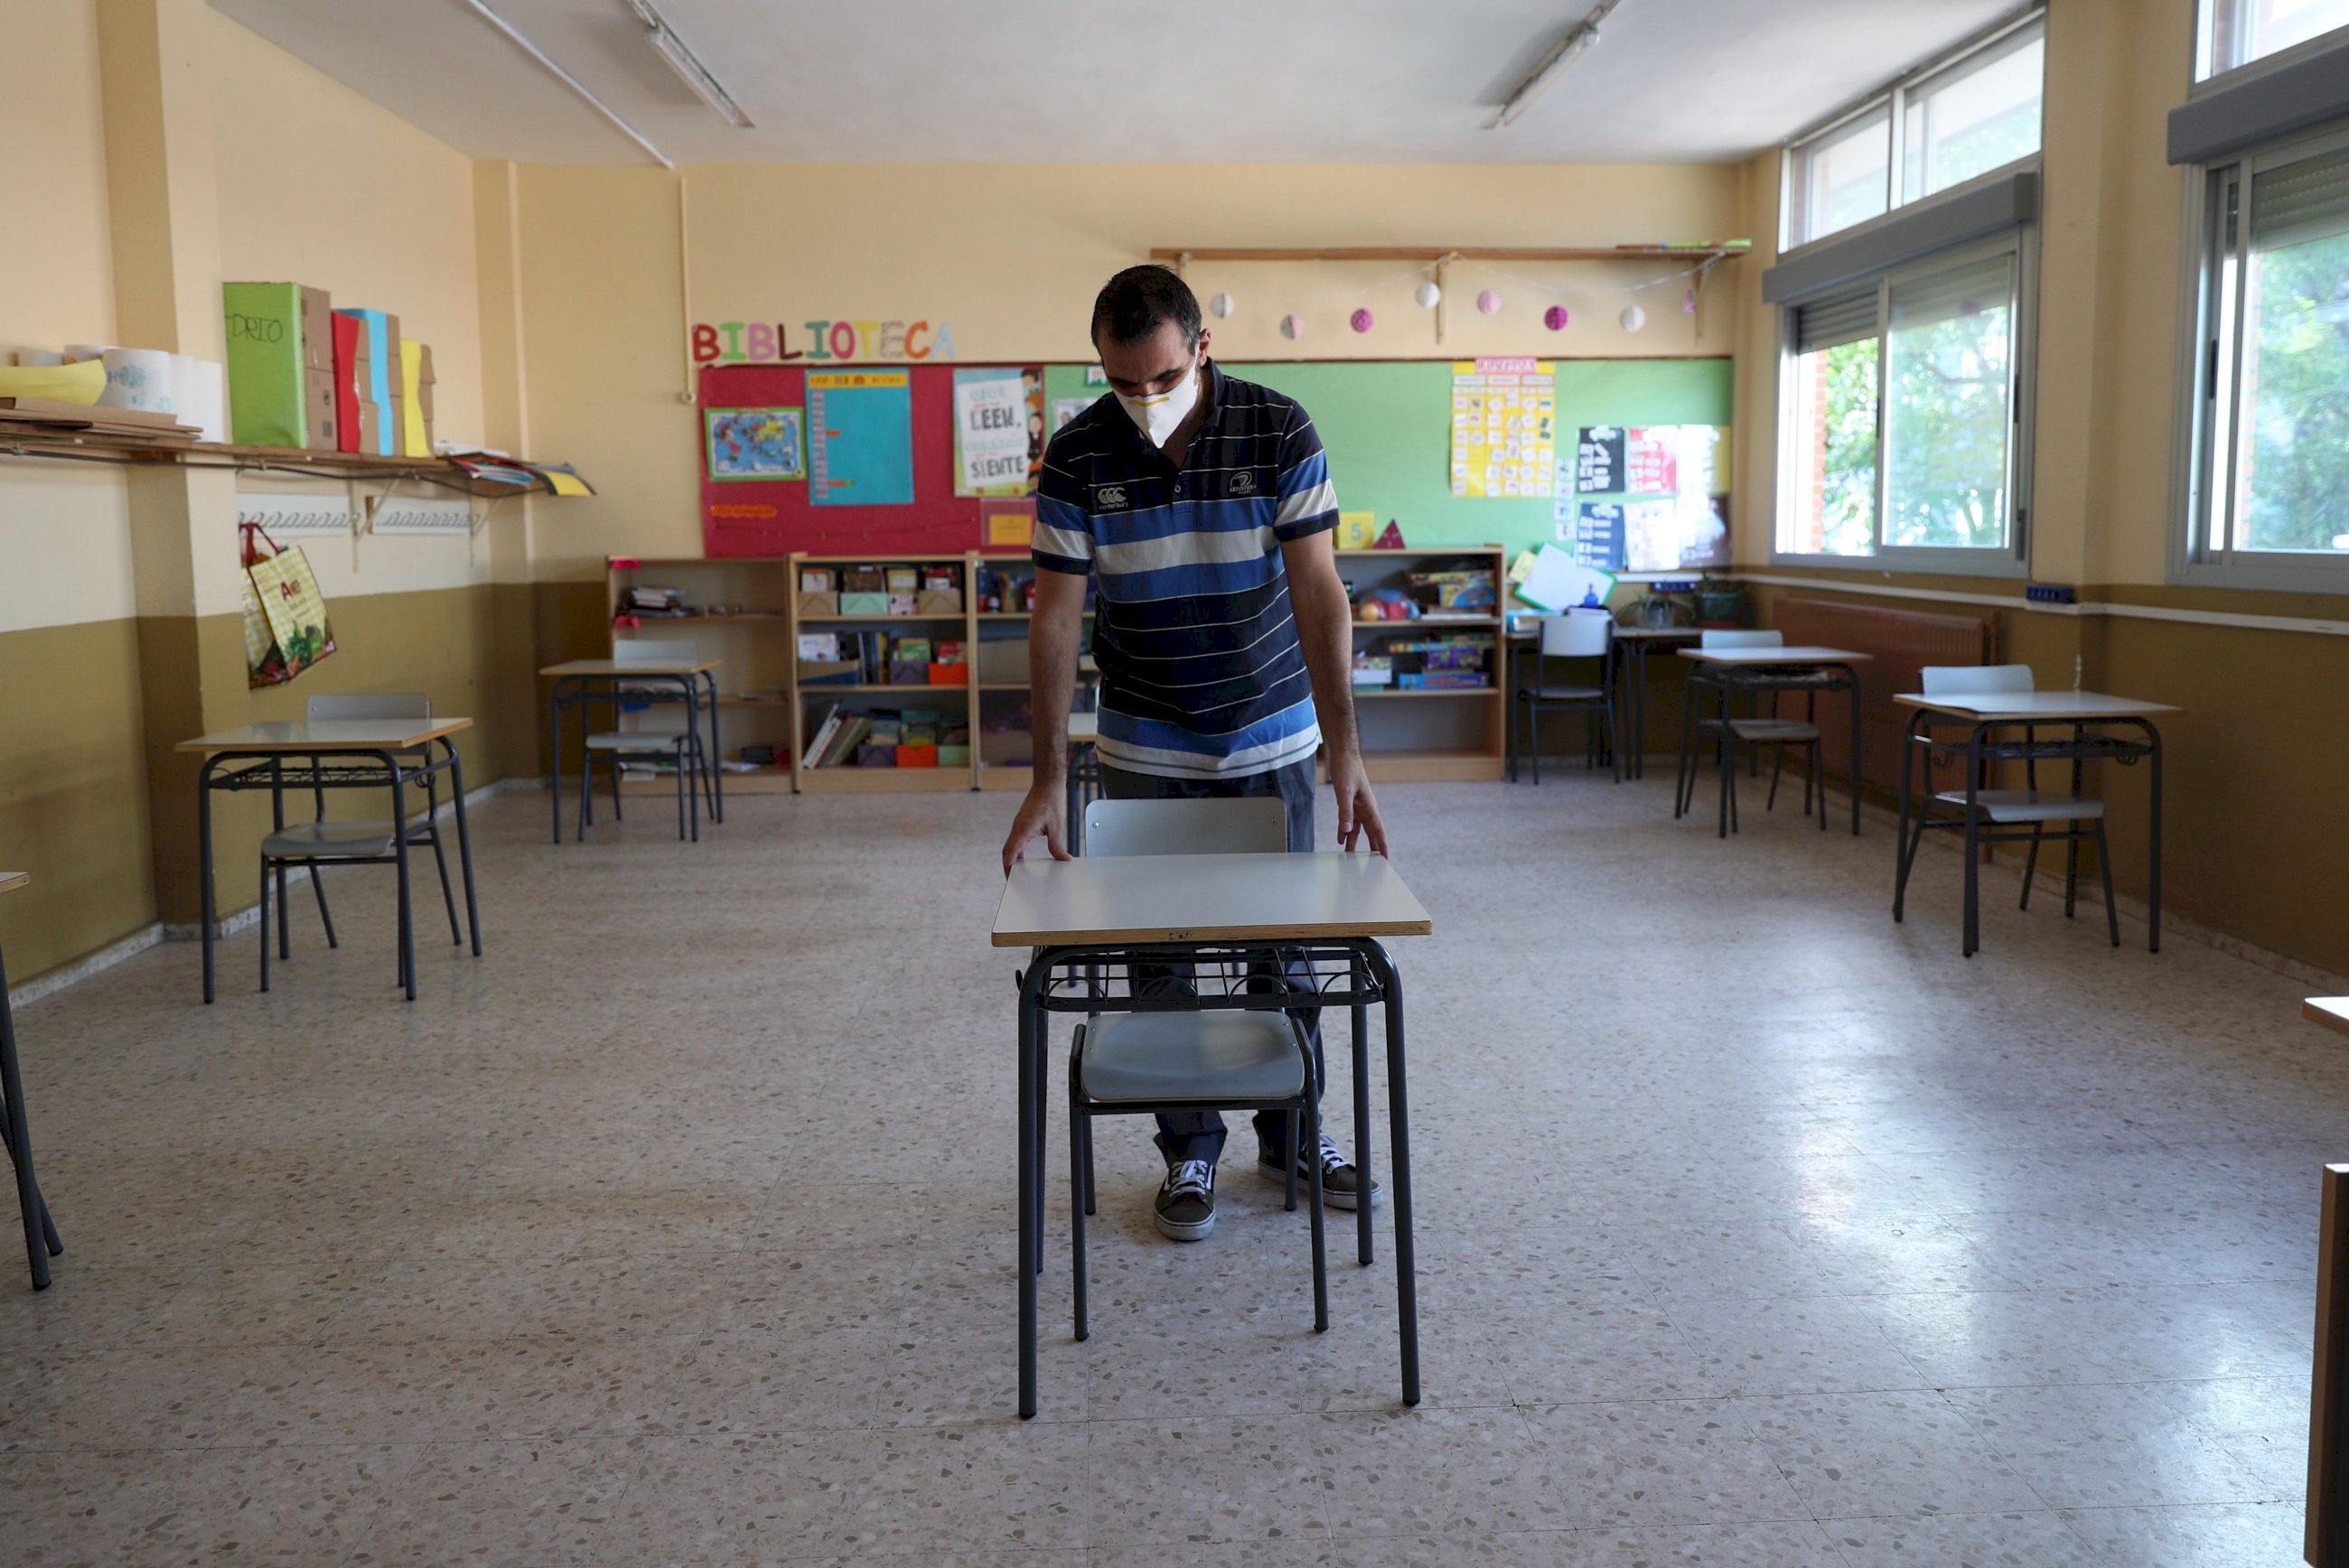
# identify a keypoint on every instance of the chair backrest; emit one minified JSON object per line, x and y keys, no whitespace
{"x":388,"y":705}
{"x":654,"y":651}
{"x":1577,"y":634}
{"x":1716,"y":638}
{"x":1255,"y":824}
{"x":1945,"y":680}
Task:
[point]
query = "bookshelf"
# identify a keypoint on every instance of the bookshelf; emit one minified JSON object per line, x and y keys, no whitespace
{"x":1407,"y":735}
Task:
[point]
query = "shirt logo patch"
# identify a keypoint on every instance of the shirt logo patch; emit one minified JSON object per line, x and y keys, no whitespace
{"x":1108,"y":495}
{"x":1243,"y":483}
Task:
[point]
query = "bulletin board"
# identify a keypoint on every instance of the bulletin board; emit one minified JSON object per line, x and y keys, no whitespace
{"x":1386,"y":424}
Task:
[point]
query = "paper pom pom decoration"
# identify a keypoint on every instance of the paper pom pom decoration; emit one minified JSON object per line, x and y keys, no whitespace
{"x":1489,"y":303}
{"x":1555,"y":318}
{"x":1292,"y":328}
{"x":1633,"y":318}
{"x":1427,"y":295}
{"x":1361,"y":320}
{"x":1221,"y":305}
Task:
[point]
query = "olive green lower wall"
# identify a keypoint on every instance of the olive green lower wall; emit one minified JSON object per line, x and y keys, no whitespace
{"x":73,"y":793}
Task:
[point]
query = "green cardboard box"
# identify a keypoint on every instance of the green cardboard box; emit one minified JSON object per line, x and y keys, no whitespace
{"x":281,"y":358}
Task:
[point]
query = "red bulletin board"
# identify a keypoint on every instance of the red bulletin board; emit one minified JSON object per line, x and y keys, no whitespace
{"x":776,"y":517}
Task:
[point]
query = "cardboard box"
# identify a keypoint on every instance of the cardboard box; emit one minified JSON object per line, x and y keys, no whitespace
{"x":395,"y":420}
{"x":954,"y":756}
{"x":909,"y":672}
{"x":829,"y":672}
{"x":414,"y":409}
{"x":1003,"y":661}
{"x":903,"y":580}
{"x":900,"y":603}
{"x":322,"y":418}
{"x":862,"y":579}
{"x":378,"y":381}
{"x":873,"y":754}
{"x":370,"y":425}
{"x":860,"y":604}
{"x":938,"y":602}
{"x":276,"y":334}
{"x":818,"y":580}
{"x":918,"y":755}
{"x":815,"y":602}
{"x":347,"y":386}
{"x":949,"y":674}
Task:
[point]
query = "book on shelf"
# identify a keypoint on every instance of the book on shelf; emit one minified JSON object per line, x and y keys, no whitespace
{"x":843,"y":745}
{"x":824,"y":731}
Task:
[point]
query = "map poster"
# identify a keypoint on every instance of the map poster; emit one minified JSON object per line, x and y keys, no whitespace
{"x":860,"y":438}
{"x":753,"y":444}
{"x":1503,"y":428}
{"x":1599,"y":460}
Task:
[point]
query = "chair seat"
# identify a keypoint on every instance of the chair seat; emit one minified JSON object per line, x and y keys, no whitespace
{"x":1561,"y":692}
{"x":1191,"y":1056}
{"x":636,"y":740}
{"x":329,"y":840}
{"x":1773,"y":731}
{"x":2025,"y":805}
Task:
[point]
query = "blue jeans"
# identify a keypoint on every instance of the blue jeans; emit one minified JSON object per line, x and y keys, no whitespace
{"x":1199,"y":1134}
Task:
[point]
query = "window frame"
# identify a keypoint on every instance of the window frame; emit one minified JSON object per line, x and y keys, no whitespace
{"x":2208,"y":73}
{"x":2009,"y":560}
{"x":2203,"y":343}
{"x":1891,"y":101}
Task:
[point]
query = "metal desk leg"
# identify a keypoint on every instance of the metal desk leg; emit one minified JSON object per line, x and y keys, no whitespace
{"x":1031,"y":1177}
{"x":204,"y":862}
{"x":1855,"y":756}
{"x":1973,"y":848}
{"x":1900,"y":841}
{"x":1399,"y":1136}
{"x":399,"y":847}
{"x":716,"y":748}
{"x":464,"y":842}
{"x":40,"y":1234}
{"x":2153,"y":877}
{"x":554,"y":769}
{"x":1362,"y":1115}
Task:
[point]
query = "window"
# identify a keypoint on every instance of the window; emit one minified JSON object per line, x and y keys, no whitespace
{"x":1956,"y":118}
{"x":2267,"y":497}
{"x":2237,"y":32}
{"x":1901,"y":415}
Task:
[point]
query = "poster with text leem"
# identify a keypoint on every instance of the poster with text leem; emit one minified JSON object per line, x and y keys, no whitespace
{"x":860,"y":438}
{"x":998,"y":430}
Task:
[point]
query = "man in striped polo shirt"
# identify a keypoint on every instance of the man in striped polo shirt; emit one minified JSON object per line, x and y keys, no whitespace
{"x":1202,"y":506}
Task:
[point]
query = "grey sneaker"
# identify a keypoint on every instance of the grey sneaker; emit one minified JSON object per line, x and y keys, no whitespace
{"x":1185,"y":1208}
{"x":1341,"y":1181}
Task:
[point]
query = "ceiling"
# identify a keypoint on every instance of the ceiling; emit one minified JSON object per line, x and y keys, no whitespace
{"x":1115,"y":81}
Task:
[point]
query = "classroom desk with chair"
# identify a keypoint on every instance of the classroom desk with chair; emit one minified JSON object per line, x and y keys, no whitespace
{"x":588,"y":683}
{"x":1325,"y":911}
{"x":1731,"y":672}
{"x":1629,"y":648}
{"x":318,"y":755}
{"x":2091,"y":717}
{"x":41,"y":1242}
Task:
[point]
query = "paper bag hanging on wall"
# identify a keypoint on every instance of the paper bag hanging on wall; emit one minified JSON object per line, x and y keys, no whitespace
{"x":285,"y":629}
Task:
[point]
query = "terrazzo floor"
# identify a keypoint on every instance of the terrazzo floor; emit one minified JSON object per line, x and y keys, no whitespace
{"x":1753,"y":1228}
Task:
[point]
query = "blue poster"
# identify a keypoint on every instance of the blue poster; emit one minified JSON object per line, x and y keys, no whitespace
{"x":1598,"y":540}
{"x":860,"y":438}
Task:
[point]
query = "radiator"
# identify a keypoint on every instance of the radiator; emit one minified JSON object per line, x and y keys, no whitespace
{"x":1903,"y":641}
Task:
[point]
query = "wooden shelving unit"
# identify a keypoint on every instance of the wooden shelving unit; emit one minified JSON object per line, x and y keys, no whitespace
{"x":1407,"y":736}
{"x":1418,"y":736}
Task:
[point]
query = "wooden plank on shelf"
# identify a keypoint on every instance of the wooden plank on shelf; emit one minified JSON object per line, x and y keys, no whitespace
{"x":1437,"y":253}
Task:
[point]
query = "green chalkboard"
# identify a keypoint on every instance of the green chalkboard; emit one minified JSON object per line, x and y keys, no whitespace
{"x":1388,"y":428}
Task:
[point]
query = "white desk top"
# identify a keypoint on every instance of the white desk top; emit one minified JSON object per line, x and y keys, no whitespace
{"x":1084,"y":726}
{"x":2035,"y":704}
{"x":1787,"y":655}
{"x":328,"y":735}
{"x":634,"y":667}
{"x":1205,"y":898}
{"x":2332,"y":1012}
{"x":11,"y":880}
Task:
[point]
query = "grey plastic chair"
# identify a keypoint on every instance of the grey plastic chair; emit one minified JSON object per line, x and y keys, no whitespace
{"x":2005,"y":813}
{"x":1752,"y":735}
{"x":1577,"y":634}
{"x":1135,"y":1064}
{"x":319,"y":843}
{"x":677,"y":747}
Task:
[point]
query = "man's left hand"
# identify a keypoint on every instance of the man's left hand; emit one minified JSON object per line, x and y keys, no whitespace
{"x":1358,"y":810}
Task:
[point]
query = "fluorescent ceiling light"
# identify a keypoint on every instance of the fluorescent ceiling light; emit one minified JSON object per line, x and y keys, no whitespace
{"x":1554,"y":64}
{"x":483,"y":10}
{"x":687,"y":65}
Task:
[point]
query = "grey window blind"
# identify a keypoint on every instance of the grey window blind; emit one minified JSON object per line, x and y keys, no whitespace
{"x":1986,"y":284}
{"x":1834,"y":319}
{"x":2300,"y":201}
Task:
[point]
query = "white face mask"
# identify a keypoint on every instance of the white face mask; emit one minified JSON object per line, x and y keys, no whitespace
{"x":1157,"y":415}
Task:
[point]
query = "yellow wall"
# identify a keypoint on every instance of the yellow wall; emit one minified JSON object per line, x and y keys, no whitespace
{"x":1010,"y":257}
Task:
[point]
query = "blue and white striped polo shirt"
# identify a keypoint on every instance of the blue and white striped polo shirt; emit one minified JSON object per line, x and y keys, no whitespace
{"x":1202,"y":675}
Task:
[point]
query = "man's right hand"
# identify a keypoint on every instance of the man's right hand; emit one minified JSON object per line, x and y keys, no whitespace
{"x":1043,"y":814}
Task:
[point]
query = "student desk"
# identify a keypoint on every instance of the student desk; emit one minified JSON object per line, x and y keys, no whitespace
{"x":2089,"y":715}
{"x":1629,"y":647}
{"x":584,"y":683}
{"x":335,"y":754}
{"x":41,"y":1242}
{"x":1729,"y":671}
{"x":1324,"y":911}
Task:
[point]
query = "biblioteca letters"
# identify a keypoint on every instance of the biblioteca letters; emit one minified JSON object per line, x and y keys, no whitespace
{"x":756,"y":342}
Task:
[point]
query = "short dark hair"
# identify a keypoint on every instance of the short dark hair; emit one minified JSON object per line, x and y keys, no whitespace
{"x":1138,"y":300}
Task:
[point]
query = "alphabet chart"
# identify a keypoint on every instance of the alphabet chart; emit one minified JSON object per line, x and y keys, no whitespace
{"x":1503,"y":427}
